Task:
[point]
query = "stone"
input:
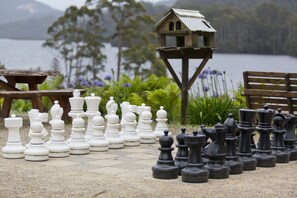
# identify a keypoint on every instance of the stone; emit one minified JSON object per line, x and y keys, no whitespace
{"x":76,"y":105}
{"x":165,"y":167}
{"x":112,"y":132}
{"x":247,"y":118}
{"x":181,"y":157}
{"x":14,"y":148}
{"x":216,"y":153}
{"x":290,"y":137}
{"x":97,"y":140}
{"x":278,"y":146}
{"x":195,"y":172}
{"x":129,"y":134}
{"x":263,"y":154}
{"x":161,"y":122}
{"x":36,"y":150}
{"x":77,"y":143}
{"x":232,"y":159}
{"x":146,"y":132}
{"x":92,"y":111}
{"x":57,"y":145}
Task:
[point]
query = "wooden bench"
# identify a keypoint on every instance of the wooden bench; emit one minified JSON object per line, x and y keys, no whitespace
{"x":278,"y":90}
{"x":62,"y":95}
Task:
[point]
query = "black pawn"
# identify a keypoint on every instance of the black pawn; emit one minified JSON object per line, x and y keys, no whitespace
{"x":264,"y":156}
{"x":246,"y":128}
{"x":290,"y":137}
{"x":216,"y":152}
{"x":165,"y":167}
{"x":182,"y":153}
{"x":236,"y":166}
{"x":278,"y":146}
{"x":195,"y":172}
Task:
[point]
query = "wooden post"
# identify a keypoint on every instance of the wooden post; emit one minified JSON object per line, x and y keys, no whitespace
{"x":184,"y":91}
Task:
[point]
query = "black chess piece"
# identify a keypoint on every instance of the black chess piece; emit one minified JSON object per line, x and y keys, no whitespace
{"x":236,"y":166}
{"x":246,"y":128}
{"x":290,"y":137}
{"x":263,"y":154}
{"x":165,"y":167}
{"x":278,"y":146}
{"x":210,"y":135}
{"x":216,"y":153}
{"x":195,"y":172}
{"x":181,"y":157}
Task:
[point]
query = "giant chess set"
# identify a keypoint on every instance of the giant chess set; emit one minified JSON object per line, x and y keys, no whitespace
{"x":208,"y":153}
{"x":99,"y":135}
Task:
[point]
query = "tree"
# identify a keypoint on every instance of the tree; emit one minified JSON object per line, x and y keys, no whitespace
{"x":76,"y":35}
{"x":129,"y":19}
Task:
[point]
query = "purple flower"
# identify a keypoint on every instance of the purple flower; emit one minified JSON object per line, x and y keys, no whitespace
{"x":213,"y":71}
{"x":206,"y":71}
{"x":202,"y":76}
{"x":108,"y":77}
{"x":83,"y":81}
{"x":219,"y":73}
{"x":98,"y":83}
{"x":205,"y":88}
{"x":126,"y":85}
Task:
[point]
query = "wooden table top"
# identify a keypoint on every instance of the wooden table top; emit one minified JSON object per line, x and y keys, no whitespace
{"x":18,"y":72}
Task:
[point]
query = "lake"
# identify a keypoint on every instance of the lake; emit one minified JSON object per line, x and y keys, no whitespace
{"x":25,"y":54}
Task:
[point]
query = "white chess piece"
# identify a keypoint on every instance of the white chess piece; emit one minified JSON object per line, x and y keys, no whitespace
{"x":97,"y":141}
{"x":36,"y":116}
{"x":112,"y":132}
{"x":92,"y":111}
{"x":139,"y":111}
{"x":76,"y":104}
{"x":14,"y":148}
{"x":146,"y":131}
{"x":161,"y":122}
{"x":36,"y":150}
{"x":129,"y":134}
{"x":124,"y":109}
{"x":77,"y":143}
{"x":56,"y":111}
{"x":57,"y":146}
{"x":111,"y":107}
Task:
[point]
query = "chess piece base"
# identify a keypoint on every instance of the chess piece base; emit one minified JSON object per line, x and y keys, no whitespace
{"x":147,"y":141}
{"x":281,"y":156}
{"x":99,"y":148}
{"x":265,"y":160}
{"x":131,"y":143}
{"x":79,"y":151}
{"x":218,"y":171}
{"x":165,"y":172}
{"x":13,"y":155}
{"x":13,"y":151}
{"x":181,"y":165}
{"x":195,"y":175}
{"x":293,"y":155}
{"x":36,"y":158}
{"x":58,"y":154}
{"x":249,"y":162}
{"x":236,"y":167}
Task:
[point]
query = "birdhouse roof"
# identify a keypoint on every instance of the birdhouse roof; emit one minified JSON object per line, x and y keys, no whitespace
{"x":192,"y":19}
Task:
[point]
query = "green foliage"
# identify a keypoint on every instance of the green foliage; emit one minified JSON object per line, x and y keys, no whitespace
{"x":209,"y":110}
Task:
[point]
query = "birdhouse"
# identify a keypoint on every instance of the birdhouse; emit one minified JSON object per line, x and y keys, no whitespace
{"x":184,"y":28}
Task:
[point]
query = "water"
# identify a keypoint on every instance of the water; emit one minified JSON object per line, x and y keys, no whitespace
{"x":25,"y":54}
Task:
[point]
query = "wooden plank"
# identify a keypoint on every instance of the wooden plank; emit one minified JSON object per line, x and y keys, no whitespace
{"x":293,"y":82}
{"x":275,"y":107}
{"x":267,"y":87}
{"x":269,"y":100}
{"x":7,"y":86}
{"x":171,"y":70}
{"x":266,"y":80}
{"x":246,"y":86}
{"x":266,"y":74}
{"x":269,"y":93}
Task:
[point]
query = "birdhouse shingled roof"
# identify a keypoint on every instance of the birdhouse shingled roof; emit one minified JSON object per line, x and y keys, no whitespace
{"x":192,"y":19}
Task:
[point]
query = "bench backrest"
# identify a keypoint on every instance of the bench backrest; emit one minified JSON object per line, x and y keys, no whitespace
{"x":278,"y":90}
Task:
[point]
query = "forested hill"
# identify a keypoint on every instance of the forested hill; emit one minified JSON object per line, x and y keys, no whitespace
{"x":250,"y":26}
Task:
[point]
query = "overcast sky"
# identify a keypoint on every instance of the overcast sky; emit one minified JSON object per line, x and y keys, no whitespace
{"x":63,"y":4}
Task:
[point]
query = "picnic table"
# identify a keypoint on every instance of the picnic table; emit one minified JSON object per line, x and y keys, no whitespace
{"x":32,"y":78}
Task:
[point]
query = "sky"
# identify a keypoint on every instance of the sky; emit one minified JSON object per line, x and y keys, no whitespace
{"x":63,"y":4}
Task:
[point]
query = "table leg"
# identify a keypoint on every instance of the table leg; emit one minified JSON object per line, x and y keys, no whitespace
{"x":6,"y":107}
{"x":36,"y":101}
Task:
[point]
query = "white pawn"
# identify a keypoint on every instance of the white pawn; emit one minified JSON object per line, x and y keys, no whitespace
{"x":139,"y":111}
{"x":92,"y":111}
{"x":77,"y":143}
{"x":76,"y":104}
{"x":146,"y":133}
{"x":57,"y":146}
{"x":129,"y":134}
{"x":14,"y":148}
{"x":161,"y":122}
{"x":97,"y":141}
{"x":36,"y":150}
{"x":112,"y":132}
{"x":36,"y":116}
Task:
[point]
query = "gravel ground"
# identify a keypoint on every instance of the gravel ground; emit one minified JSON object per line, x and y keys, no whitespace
{"x":20,"y":178}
